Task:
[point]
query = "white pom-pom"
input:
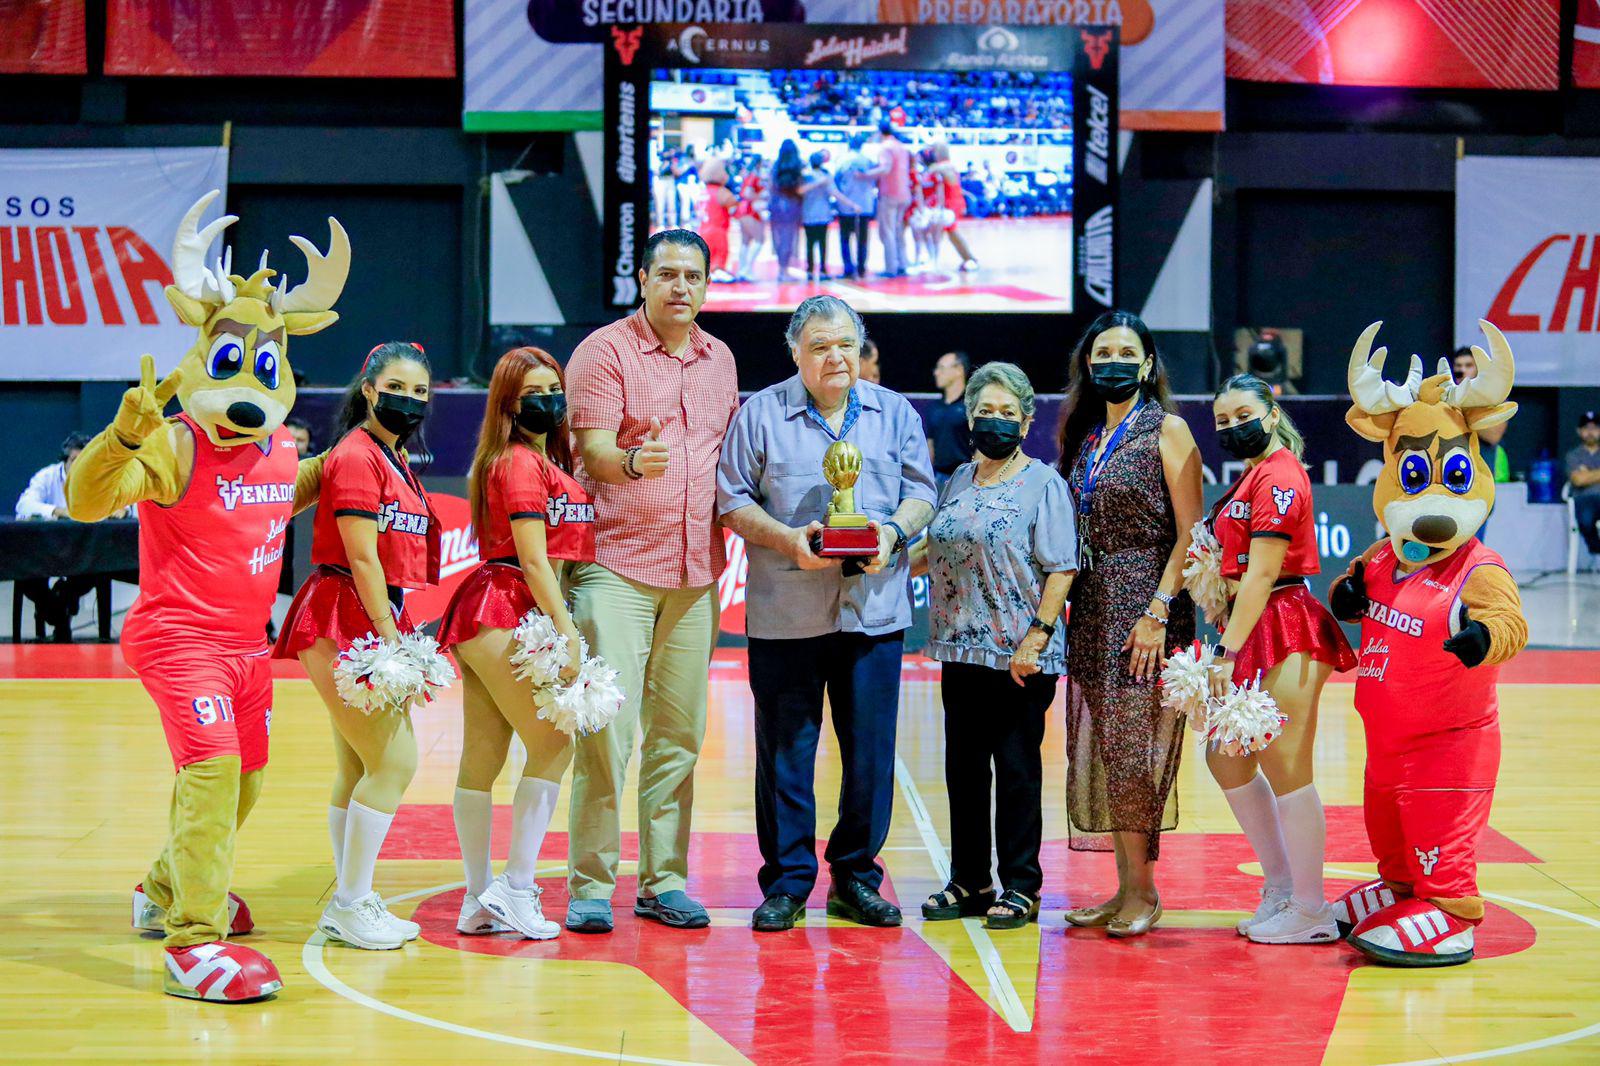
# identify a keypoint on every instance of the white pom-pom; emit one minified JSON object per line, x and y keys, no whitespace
{"x":1202,"y":574}
{"x":1246,"y":720}
{"x":375,"y":676}
{"x":436,"y":669}
{"x":1186,"y":686}
{"x":588,"y":704}
{"x":538,"y":651}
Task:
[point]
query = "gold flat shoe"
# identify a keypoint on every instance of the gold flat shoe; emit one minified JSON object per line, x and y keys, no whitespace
{"x":1094,"y":917}
{"x":1117,"y":927}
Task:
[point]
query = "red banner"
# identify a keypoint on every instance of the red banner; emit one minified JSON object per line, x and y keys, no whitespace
{"x":1586,"y":46}
{"x":1456,"y":44}
{"x":42,"y":37}
{"x":275,"y":38}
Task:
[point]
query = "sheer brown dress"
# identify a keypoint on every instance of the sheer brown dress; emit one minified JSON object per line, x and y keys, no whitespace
{"x":1122,"y":747}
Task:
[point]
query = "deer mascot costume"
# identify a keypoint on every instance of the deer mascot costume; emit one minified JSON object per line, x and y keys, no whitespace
{"x":215,"y":487}
{"x":1439,"y":613}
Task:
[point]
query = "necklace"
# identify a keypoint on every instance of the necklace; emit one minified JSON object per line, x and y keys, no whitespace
{"x":1000,"y":474}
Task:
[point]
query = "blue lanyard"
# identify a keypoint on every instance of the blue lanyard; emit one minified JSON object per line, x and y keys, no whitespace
{"x":1086,"y":502}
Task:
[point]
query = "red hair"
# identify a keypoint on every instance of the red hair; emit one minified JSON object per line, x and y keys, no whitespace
{"x":499,"y":430}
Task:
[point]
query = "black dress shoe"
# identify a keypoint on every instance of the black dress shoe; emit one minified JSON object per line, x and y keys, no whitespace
{"x":777,"y":913}
{"x":854,"y":901}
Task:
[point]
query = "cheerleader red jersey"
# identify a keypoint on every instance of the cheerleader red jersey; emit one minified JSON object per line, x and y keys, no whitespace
{"x":1408,"y":688}
{"x":208,"y":564}
{"x":363,"y":477}
{"x":525,"y":484}
{"x":1272,"y":499}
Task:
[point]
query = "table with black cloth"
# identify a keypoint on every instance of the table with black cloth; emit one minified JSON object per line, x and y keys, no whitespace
{"x":33,"y":551}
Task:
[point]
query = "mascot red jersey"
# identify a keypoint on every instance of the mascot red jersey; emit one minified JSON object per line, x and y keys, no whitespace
{"x":215,"y":487}
{"x":1439,"y":613}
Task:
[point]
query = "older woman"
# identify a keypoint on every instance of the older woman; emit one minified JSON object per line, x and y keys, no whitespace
{"x":1002,"y":551}
{"x":818,"y":629}
{"x":1135,"y":476}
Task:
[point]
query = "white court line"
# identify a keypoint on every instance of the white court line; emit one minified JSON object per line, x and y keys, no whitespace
{"x":1005,"y":993}
{"x":311,"y":959}
{"x":1509,"y":1049}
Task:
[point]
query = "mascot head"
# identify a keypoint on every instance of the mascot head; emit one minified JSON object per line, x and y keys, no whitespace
{"x":1435,"y":490}
{"x":236,"y":379}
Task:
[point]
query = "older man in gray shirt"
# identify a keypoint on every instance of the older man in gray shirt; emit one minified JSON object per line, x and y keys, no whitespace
{"x":816,"y":630}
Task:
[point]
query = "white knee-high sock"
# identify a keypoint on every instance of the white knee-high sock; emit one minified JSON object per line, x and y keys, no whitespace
{"x":531,"y":810}
{"x":336,"y":817}
{"x":1306,"y":831}
{"x":364,"y":830}
{"x":1257,"y":812}
{"x":474,"y":814}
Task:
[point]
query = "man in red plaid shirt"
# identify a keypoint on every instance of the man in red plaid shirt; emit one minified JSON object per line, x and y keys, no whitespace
{"x":650,"y":397}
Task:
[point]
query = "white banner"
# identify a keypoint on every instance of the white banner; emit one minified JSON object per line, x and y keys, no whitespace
{"x":538,"y":65}
{"x":85,"y":234}
{"x":1528,"y":260}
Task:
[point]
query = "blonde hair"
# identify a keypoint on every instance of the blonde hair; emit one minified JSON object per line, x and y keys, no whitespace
{"x":1287,"y":433}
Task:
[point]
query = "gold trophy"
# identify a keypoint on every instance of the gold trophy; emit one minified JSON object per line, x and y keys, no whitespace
{"x":846,"y":533}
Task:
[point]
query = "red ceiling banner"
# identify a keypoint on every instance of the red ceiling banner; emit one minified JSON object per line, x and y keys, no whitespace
{"x":1455,"y":44}
{"x":1586,"y":46}
{"x":42,"y":37}
{"x":275,"y":38}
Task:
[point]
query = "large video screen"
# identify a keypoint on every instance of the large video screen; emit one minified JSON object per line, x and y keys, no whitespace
{"x":917,"y":169}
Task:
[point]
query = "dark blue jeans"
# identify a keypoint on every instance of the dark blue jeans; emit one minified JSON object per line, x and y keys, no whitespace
{"x":860,"y":676}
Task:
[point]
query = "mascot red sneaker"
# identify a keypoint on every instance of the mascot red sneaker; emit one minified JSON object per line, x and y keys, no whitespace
{"x":1439,"y":613}
{"x":215,"y":487}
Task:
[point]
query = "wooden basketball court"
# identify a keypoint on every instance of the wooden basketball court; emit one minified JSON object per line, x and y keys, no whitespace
{"x":84,"y":780}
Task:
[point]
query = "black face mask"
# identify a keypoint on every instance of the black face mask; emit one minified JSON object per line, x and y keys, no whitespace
{"x":400,"y":415}
{"x":542,"y":413}
{"x":996,"y":437}
{"x":1114,"y":382}
{"x":1246,"y":440}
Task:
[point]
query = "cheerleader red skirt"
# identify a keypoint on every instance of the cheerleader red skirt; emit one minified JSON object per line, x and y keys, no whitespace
{"x":494,"y":595}
{"x":1294,"y":621}
{"x":327,"y":605}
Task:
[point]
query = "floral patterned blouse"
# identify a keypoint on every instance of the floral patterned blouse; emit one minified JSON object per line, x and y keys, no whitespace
{"x":989,"y":552}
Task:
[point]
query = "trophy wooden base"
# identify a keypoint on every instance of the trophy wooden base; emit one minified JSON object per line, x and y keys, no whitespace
{"x":845,"y":542}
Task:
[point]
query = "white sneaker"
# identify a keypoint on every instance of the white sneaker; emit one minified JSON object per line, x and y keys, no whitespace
{"x":1295,"y":924}
{"x":1273,"y":900}
{"x":519,"y":908}
{"x":475,"y":919}
{"x":408,"y":930}
{"x":363,"y":924}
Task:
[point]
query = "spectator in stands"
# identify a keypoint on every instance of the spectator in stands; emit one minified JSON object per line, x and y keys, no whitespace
{"x":788,"y":187}
{"x":816,"y":213}
{"x":1463,"y":365}
{"x":894,"y":196}
{"x":1583,"y":472}
{"x":301,"y":432}
{"x":870,"y":369}
{"x":857,"y":185}
{"x":946,"y":419}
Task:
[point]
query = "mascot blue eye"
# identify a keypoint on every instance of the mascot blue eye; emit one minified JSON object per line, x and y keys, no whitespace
{"x":1415,"y":475}
{"x":267,"y":362}
{"x":1457,"y":475}
{"x":226,"y":358}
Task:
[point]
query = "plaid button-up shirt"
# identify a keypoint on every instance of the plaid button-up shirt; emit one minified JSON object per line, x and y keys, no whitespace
{"x":661,"y":531}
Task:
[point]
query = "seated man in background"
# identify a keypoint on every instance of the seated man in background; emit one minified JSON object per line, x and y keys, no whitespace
{"x":1583,"y":471}
{"x":46,"y":498}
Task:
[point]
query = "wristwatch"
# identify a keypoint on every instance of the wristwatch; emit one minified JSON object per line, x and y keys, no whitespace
{"x":1164,"y":598}
{"x":1044,"y":627}
{"x":899,"y":537}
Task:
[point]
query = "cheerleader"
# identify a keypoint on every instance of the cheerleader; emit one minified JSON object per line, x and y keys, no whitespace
{"x":374,"y":535}
{"x":751,"y":213}
{"x":1278,"y":632}
{"x":534,"y":517}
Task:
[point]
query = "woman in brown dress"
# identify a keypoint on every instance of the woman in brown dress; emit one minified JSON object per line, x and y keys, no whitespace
{"x":1134,"y":471}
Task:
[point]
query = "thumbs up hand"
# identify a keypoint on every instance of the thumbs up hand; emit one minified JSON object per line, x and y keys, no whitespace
{"x":653,"y":455}
{"x":1471,"y":642}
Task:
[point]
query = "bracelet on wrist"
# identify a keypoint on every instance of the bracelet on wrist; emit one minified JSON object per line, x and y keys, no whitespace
{"x":1042,"y":626}
{"x":1156,"y":618}
{"x":627,"y":464}
{"x":1226,"y":654}
{"x":1164,"y":598}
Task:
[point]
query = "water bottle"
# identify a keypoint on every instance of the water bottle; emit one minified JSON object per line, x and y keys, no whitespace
{"x":1544,"y":479}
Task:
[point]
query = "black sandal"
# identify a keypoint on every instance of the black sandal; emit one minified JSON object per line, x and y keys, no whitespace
{"x":953,"y":902}
{"x":1021,"y":909}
